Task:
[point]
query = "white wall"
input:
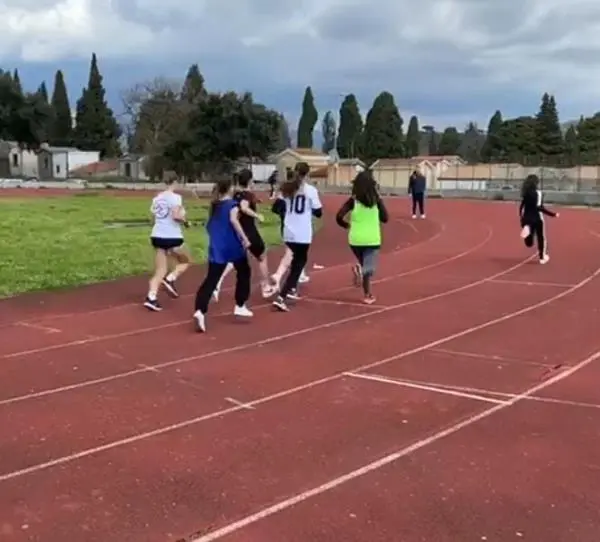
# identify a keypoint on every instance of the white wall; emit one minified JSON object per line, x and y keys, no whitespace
{"x":77,"y":159}
{"x":23,"y":163}
{"x":262,"y":172}
{"x":59,"y":163}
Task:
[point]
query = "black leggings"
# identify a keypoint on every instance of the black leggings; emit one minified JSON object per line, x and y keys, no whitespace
{"x":215,"y":270}
{"x":537,"y":232}
{"x":299,"y":259}
{"x":418,"y":199}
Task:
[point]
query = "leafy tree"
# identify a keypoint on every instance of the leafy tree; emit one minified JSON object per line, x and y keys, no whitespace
{"x":193,"y":87}
{"x":285,"y":141}
{"x":382,"y":136}
{"x":449,"y":142}
{"x":588,"y":138}
{"x":350,"y":128}
{"x":308,"y":120}
{"x":517,"y":137}
{"x":413,"y":137}
{"x":223,"y":128}
{"x":432,"y":140}
{"x":17,"y":81}
{"x":328,"y":129}
{"x":571,"y":146}
{"x":492,"y":147}
{"x":549,"y":135}
{"x":60,"y":132}
{"x":22,"y":116}
{"x":472,"y":142}
{"x":95,"y":124}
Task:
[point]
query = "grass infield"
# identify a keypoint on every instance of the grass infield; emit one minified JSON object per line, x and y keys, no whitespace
{"x":85,"y":238}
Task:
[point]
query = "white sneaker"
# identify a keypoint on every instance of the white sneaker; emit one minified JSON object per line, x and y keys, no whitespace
{"x":303,"y":278}
{"x":423,"y":216}
{"x":215,"y":295}
{"x":294,"y":295}
{"x":414,"y":216}
{"x":243,"y":311}
{"x":268,"y":291}
{"x":200,"y":321}
{"x":280,"y":304}
{"x":525,"y":232}
{"x":545,"y":259}
{"x":276,"y":282}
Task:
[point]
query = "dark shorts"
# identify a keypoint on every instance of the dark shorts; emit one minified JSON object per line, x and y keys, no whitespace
{"x":257,"y":247}
{"x":165,"y":244}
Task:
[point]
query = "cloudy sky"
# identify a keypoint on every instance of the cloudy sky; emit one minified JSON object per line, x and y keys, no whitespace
{"x":449,"y":61}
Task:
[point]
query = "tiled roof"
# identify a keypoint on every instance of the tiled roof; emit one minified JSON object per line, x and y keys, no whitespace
{"x":105,"y":166}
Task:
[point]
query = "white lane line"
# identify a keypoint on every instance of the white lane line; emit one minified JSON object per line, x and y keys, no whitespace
{"x":246,"y":406}
{"x":423,"y":387}
{"x":491,"y":357}
{"x":193,"y":421}
{"x":380,"y":463}
{"x":529,"y":283}
{"x":39,"y":327}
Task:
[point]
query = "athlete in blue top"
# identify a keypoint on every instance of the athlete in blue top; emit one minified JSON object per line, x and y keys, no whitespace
{"x":227,"y":243}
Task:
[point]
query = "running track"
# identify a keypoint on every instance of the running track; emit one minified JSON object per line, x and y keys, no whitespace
{"x":463,"y":406}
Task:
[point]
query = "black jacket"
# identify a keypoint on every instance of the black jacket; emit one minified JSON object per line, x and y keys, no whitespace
{"x":417,"y":184}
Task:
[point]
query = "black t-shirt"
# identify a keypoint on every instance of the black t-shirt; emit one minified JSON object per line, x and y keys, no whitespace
{"x":247,"y":222}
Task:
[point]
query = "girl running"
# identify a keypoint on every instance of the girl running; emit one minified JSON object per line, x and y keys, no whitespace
{"x":167,"y":239}
{"x":279,"y":209}
{"x":248,"y":217}
{"x":367,"y":213}
{"x":227,"y":243}
{"x":531,"y":213}
{"x":299,"y":202}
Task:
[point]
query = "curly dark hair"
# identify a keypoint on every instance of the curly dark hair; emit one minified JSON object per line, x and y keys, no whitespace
{"x":530,"y":185}
{"x":364,"y":189}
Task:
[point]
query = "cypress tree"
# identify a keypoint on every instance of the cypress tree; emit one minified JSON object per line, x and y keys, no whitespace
{"x":43,"y":91}
{"x":413,"y":137}
{"x":308,"y":120}
{"x":193,"y":86}
{"x":492,"y":148}
{"x":95,"y":124}
{"x":571,"y":146}
{"x":328,"y":130}
{"x":449,"y":142}
{"x":61,"y":127}
{"x":383,"y":130}
{"x":17,"y":81}
{"x":549,"y":135}
{"x":350,"y":128}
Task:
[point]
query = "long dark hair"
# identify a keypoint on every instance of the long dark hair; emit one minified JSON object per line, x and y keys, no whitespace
{"x":291,"y":186}
{"x":220,"y":188}
{"x":364,"y":189}
{"x":530,"y":185}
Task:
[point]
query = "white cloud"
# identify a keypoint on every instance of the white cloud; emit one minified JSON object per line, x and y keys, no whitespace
{"x":476,"y":51}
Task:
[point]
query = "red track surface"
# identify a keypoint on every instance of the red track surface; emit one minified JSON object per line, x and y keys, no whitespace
{"x":463,"y":406}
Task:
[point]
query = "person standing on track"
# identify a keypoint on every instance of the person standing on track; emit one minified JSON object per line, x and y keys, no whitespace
{"x":167,"y":240}
{"x":531,"y":214}
{"x":227,"y":243}
{"x":248,"y":216}
{"x":417,"y":185}
{"x":366,"y":212}
{"x":300,"y":202}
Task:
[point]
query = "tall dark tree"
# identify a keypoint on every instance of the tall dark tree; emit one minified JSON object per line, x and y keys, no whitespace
{"x":95,"y":124}
{"x":383,"y":136}
{"x":193,"y":86}
{"x":60,"y":132}
{"x":308,"y":120}
{"x":492,"y":148}
{"x":588,"y":139}
{"x":549,"y":135}
{"x":17,"y":81}
{"x":328,"y":129}
{"x":22,"y":116}
{"x":413,"y":137}
{"x":43,"y":91}
{"x":350,"y":128}
{"x":471,"y":144}
{"x":432,"y":140}
{"x":449,"y":142}
{"x":571,"y":146}
{"x":285,"y":141}
{"x":519,"y":145}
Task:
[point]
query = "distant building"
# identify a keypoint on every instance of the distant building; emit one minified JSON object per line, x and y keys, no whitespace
{"x":57,"y":162}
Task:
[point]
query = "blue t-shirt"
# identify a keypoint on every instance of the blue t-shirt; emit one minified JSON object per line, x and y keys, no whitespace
{"x":224,"y":245}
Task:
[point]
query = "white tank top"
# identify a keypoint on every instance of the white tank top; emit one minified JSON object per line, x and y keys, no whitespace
{"x":165,"y":226}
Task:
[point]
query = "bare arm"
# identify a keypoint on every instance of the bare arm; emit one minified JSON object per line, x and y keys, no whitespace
{"x":235,"y":222}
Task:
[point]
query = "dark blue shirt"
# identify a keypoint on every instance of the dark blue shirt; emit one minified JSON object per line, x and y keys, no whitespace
{"x":224,"y":245}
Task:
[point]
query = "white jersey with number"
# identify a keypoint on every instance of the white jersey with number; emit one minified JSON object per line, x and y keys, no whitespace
{"x":297,"y":224}
{"x":165,"y":226}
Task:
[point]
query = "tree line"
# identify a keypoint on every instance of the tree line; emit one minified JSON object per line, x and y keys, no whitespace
{"x":529,"y":140}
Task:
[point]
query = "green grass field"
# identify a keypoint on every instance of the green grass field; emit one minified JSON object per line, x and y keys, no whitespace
{"x":68,"y":241}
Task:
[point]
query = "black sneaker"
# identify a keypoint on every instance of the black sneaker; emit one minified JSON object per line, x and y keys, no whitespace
{"x":170,"y":287}
{"x":280,"y":304}
{"x":152,"y":304}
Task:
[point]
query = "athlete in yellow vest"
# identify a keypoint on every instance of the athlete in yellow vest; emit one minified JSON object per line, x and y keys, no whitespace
{"x":362,"y":215}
